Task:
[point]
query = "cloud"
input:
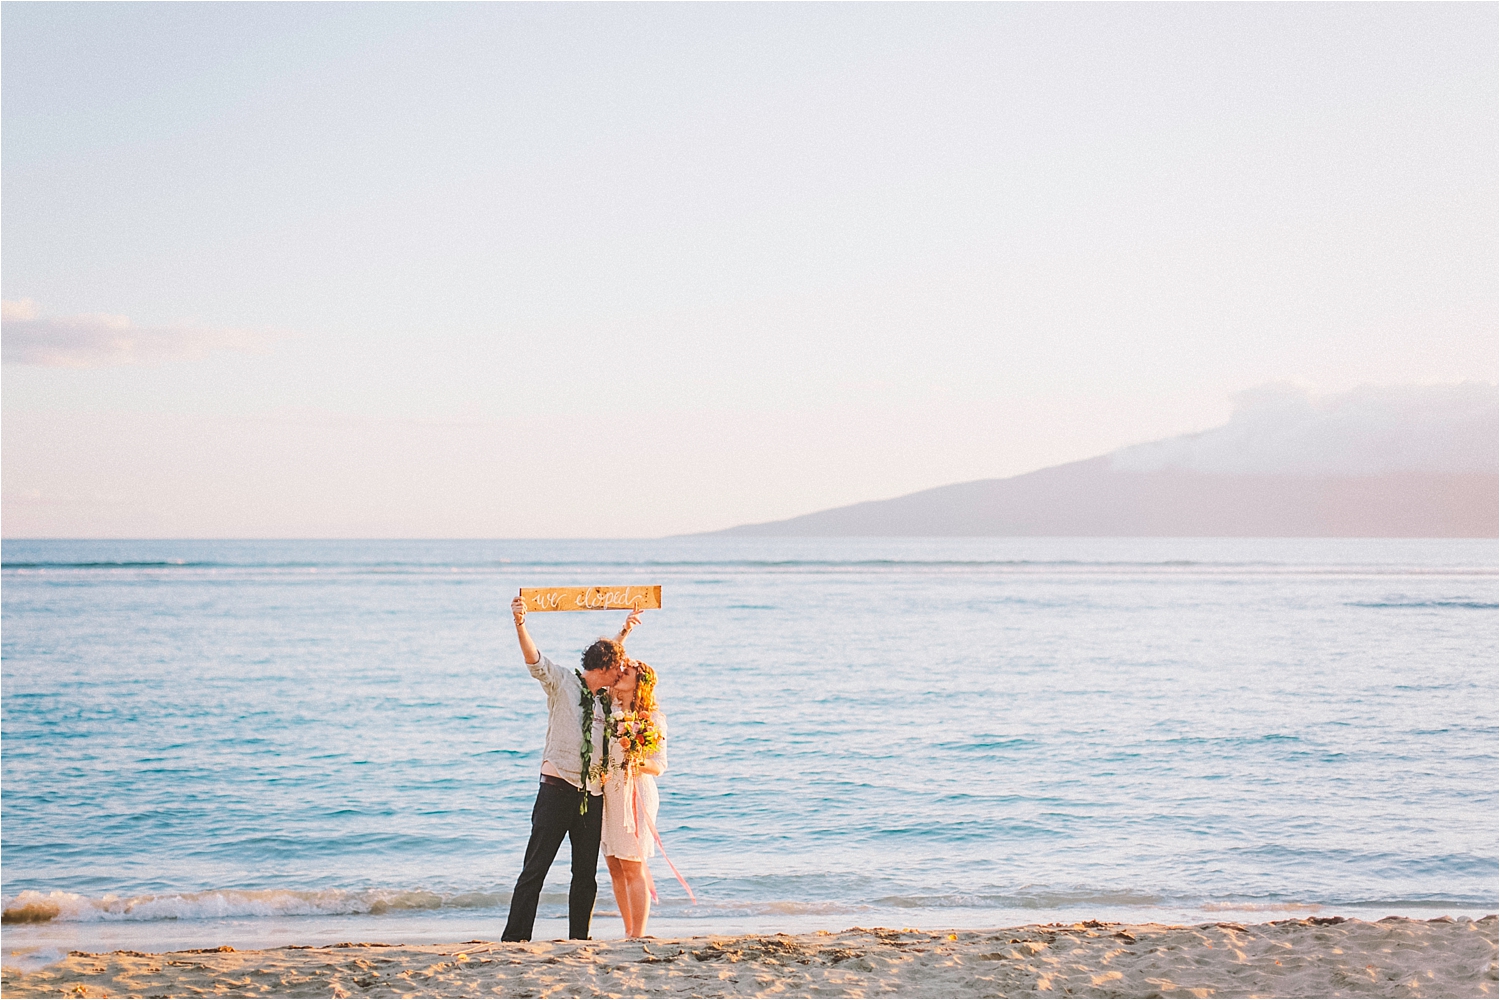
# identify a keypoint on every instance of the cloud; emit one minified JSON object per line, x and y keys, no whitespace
{"x":98,"y":341}
{"x":1279,"y":428}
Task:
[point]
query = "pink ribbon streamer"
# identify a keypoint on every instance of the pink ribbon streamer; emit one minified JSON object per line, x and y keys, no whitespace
{"x":635,"y":807}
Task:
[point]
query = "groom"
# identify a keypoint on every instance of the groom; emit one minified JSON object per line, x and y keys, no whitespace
{"x":568,"y":802}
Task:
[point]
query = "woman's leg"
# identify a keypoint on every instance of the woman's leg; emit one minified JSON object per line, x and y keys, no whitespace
{"x":622,"y":896}
{"x":640,"y":896}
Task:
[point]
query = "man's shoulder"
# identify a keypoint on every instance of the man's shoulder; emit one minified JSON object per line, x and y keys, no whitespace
{"x":547,"y":671}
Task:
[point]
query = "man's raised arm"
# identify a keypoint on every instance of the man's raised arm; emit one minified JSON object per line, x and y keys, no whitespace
{"x":528,"y":648}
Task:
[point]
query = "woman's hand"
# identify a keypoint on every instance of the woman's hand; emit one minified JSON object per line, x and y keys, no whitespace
{"x":630,"y":623}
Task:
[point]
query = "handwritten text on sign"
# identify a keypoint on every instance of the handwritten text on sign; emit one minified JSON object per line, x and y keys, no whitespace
{"x":590,"y":598}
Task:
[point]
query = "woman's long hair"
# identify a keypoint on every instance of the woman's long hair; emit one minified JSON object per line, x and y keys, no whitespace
{"x":645,"y":688}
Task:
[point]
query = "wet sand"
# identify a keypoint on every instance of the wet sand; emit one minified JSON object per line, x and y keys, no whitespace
{"x":1316,"y":957}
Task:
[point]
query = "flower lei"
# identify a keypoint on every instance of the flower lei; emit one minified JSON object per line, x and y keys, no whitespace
{"x":586,"y":712}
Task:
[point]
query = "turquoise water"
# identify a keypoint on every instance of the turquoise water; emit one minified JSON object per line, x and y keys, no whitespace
{"x":264,"y":742}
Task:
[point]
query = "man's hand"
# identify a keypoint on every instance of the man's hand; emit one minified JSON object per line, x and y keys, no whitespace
{"x":528,"y":648}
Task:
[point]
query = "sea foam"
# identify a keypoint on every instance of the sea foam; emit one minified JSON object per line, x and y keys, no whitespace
{"x":31,"y":907}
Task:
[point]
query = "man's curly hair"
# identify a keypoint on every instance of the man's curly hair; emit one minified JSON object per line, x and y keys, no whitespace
{"x":605,"y":654}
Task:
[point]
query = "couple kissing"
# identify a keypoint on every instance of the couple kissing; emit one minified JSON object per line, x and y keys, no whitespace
{"x":606,"y":742}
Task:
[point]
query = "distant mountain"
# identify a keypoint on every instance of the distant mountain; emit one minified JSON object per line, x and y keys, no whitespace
{"x":1406,"y":461}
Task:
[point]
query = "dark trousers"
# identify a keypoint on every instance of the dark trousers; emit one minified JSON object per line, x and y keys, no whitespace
{"x":554,"y":816}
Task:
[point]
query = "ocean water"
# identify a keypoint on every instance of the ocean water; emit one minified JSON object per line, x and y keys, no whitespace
{"x":260,"y":743}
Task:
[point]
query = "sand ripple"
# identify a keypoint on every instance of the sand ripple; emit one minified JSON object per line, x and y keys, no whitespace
{"x":1314,"y":957}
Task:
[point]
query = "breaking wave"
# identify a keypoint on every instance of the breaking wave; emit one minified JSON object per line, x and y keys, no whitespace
{"x":31,"y":907}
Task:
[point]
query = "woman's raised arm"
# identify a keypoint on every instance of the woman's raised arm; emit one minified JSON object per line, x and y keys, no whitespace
{"x":630,"y":623}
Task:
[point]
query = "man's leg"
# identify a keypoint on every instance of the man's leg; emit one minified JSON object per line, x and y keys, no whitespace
{"x":584,"y":838}
{"x":551,"y":818}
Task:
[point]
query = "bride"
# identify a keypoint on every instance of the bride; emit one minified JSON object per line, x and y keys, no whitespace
{"x":630,"y":801}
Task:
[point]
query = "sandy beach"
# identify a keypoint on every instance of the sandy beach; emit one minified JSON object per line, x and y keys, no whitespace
{"x":1323,"y":957}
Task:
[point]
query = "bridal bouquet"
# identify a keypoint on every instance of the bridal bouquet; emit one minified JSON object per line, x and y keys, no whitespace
{"x":637,"y":736}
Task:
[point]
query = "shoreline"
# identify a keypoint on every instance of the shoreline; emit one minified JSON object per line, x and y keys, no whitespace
{"x":31,"y":944}
{"x":1312,"y":956}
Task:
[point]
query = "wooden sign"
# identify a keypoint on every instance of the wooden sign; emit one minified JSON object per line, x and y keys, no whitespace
{"x":590,"y":598}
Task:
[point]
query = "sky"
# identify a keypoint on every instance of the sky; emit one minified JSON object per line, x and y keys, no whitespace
{"x":619,"y":270}
{"x":1368,"y":431}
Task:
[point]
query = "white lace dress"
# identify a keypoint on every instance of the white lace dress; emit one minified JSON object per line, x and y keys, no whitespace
{"x":622,"y":836}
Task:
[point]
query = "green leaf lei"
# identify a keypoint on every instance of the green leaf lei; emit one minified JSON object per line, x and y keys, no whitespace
{"x":586,"y":710}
